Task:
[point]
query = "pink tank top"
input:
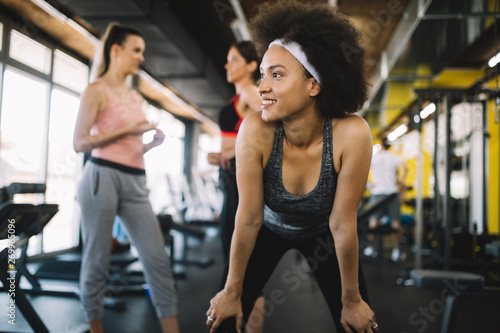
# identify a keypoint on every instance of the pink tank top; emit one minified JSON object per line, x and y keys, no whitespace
{"x":127,"y":150}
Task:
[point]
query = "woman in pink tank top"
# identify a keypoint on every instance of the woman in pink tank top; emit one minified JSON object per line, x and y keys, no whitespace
{"x":110,"y":125}
{"x":110,"y":116}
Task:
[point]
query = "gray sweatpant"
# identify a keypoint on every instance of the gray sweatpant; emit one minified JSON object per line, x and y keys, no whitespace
{"x":104,"y":192}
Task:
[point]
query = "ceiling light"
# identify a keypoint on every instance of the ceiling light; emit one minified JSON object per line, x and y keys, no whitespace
{"x":494,"y":60}
{"x":428,"y":110}
{"x":397,"y":132}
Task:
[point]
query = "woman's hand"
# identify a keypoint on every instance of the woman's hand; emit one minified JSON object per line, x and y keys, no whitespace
{"x":158,"y":138}
{"x":358,"y":317}
{"x":225,"y":162}
{"x":219,"y":159}
{"x":213,"y":158}
{"x":224,"y":305}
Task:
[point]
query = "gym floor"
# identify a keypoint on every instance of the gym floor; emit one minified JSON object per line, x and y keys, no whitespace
{"x":399,"y":308}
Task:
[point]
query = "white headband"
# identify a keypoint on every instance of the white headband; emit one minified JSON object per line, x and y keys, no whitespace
{"x":295,"y":49}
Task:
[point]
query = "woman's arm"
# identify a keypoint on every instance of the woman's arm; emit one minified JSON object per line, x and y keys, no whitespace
{"x":249,"y":218}
{"x":93,"y":100}
{"x":355,"y":161}
{"x":158,"y":139}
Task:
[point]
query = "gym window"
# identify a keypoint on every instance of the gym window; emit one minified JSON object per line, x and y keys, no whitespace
{"x":41,"y":87}
{"x":29,"y":52}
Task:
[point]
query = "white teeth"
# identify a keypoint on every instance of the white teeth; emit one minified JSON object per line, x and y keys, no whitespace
{"x":267,"y":101}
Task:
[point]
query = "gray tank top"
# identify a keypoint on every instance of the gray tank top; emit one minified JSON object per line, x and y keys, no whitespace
{"x":305,"y":216}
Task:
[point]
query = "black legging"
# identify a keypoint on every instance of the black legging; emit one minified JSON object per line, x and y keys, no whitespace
{"x":269,"y":249}
{"x":227,"y":182}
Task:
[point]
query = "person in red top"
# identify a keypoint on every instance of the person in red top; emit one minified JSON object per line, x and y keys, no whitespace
{"x":242,"y":71}
{"x":110,"y":125}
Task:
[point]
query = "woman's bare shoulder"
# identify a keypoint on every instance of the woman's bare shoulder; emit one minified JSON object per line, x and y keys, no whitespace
{"x":95,"y":90}
{"x":255,"y":123}
{"x":351,"y":132}
{"x":351,"y":125}
{"x":255,"y":129}
{"x":94,"y":96}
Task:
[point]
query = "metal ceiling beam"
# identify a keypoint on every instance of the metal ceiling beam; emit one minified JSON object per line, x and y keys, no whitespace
{"x":165,"y":18}
{"x":173,"y":50}
{"x":111,"y":18}
{"x":239,"y":26}
{"x":402,"y":33}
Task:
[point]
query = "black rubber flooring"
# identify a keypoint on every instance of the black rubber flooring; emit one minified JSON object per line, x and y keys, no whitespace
{"x":399,"y":308}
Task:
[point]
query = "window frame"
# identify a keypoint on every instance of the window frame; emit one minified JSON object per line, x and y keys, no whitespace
{"x":9,"y":24}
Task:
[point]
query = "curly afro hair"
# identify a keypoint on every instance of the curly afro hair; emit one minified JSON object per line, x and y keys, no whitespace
{"x":331,"y":44}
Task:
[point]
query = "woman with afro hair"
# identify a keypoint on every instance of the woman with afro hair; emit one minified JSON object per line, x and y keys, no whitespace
{"x":312,"y":154}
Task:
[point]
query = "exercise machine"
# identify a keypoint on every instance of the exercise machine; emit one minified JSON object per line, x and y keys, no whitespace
{"x":381,"y":230}
{"x":18,"y":223}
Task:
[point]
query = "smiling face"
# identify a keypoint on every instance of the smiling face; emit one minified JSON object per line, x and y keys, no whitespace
{"x":130,"y":55}
{"x":285,"y":91}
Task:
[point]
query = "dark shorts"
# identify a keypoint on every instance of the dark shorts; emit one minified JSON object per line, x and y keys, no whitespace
{"x":392,"y":209}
